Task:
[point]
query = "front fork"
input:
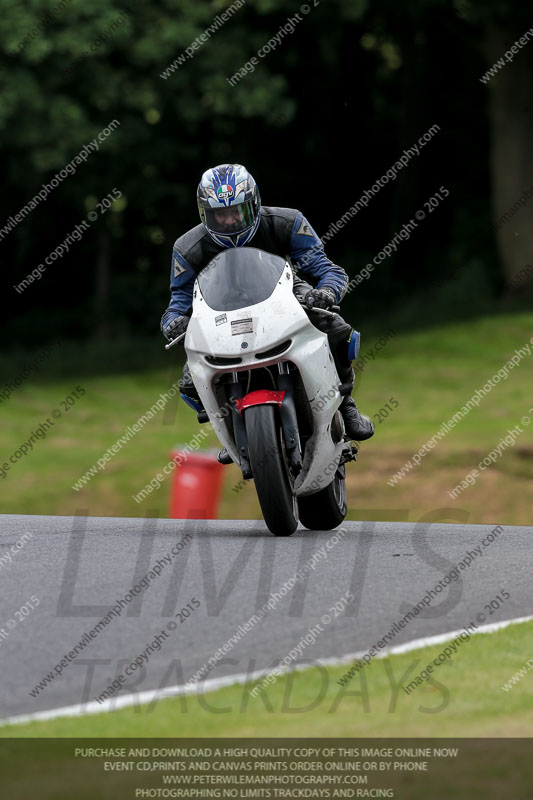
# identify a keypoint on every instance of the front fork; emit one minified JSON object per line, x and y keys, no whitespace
{"x":241,"y":440}
{"x":289,"y":422}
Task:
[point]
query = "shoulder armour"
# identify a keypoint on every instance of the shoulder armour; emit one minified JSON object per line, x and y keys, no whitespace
{"x":197,"y":247}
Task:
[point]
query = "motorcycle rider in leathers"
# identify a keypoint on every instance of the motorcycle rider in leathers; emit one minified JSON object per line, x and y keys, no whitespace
{"x":232,"y":216}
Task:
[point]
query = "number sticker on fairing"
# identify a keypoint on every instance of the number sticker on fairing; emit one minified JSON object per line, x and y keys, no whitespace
{"x":242,"y":326}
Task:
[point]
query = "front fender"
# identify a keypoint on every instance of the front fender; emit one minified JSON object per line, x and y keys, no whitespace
{"x":260,"y":397}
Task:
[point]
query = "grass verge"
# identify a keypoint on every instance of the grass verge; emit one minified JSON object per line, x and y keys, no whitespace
{"x":464,"y":697}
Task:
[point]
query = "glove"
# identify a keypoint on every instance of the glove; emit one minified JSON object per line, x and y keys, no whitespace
{"x":320,"y":298}
{"x":175,"y":327}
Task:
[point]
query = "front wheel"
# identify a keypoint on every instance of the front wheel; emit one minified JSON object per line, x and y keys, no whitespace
{"x":327,"y":508}
{"x":269,"y":470}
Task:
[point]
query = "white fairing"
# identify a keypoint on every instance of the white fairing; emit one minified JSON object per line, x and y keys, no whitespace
{"x":273,"y":321}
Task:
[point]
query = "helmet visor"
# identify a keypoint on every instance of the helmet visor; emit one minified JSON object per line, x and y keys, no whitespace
{"x":231,"y":219}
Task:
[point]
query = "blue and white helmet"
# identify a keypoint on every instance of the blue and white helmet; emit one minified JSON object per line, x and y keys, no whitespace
{"x":229,"y":204}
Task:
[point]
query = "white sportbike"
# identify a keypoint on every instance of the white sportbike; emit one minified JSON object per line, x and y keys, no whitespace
{"x":270,"y":388}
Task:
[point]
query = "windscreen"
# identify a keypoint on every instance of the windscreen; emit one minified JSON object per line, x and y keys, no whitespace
{"x":240,"y":277}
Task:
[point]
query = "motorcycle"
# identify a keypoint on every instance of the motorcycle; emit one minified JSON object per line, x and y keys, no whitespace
{"x":270,"y":388}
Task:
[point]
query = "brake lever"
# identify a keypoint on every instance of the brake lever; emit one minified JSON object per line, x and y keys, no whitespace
{"x":175,"y":341}
{"x":332,"y":310}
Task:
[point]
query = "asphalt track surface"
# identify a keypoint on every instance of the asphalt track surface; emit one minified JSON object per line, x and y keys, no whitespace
{"x":79,"y":567}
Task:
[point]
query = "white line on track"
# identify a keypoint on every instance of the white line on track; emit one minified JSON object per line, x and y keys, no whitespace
{"x":210,"y":685}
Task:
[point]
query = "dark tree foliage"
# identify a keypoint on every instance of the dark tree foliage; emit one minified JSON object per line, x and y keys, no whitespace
{"x":346,"y":89}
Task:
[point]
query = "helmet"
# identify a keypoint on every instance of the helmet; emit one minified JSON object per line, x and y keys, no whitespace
{"x":229,"y":204}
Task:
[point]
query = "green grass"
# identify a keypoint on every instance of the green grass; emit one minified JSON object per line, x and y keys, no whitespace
{"x":465,"y":698}
{"x":431,"y":374}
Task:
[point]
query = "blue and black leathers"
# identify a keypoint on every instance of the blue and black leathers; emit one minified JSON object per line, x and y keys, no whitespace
{"x":284,"y":232}
{"x":281,"y":231}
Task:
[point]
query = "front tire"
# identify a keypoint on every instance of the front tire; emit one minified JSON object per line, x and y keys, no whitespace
{"x":327,"y":508}
{"x":269,"y":470}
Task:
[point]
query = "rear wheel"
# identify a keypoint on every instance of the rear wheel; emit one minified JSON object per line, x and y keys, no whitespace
{"x":270,"y":470}
{"x":326,"y":509}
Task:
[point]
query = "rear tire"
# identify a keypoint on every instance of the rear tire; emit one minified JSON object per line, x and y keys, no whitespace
{"x":269,"y":470}
{"x":327,"y":508}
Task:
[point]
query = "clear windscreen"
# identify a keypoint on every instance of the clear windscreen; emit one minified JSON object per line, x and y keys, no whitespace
{"x":240,"y":277}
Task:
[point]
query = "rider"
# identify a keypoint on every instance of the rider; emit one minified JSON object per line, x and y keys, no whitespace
{"x":232,"y":216}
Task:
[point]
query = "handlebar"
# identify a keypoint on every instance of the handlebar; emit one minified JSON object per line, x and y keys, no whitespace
{"x":333,"y":310}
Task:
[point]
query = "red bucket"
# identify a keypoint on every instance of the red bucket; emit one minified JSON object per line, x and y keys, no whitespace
{"x":196,"y":485}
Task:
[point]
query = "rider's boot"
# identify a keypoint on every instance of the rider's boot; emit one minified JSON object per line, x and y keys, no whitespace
{"x":224,"y":457}
{"x":357,"y":425}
